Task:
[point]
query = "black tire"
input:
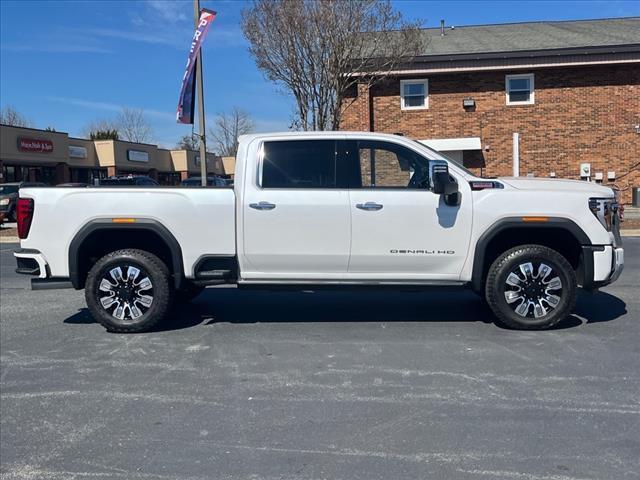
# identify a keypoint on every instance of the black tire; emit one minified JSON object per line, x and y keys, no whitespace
{"x":188,"y":292}
{"x":535,"y":301}
{"x":141,"y":317}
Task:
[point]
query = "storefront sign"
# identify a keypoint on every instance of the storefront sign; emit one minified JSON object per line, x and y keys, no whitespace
{"x":34,"y":145}
{"x":137,"y":156}
{"x":77,"y":152}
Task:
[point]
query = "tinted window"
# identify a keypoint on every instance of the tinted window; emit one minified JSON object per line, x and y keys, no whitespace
{"x":117,"y":181}
{"x":299,"y":164}
{"x":7,"y":189}
{"x":385,"y":164}
{"x":146,"y":181}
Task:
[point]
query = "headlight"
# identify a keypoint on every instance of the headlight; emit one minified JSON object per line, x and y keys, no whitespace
{"x":605,"y":210}
{"x":4,"y":201}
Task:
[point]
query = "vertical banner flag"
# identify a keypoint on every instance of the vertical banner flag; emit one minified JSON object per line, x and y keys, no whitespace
{"x":187,"y":92}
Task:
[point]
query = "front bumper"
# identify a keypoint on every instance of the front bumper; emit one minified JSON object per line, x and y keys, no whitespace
{"x":618,"y":264}
{"x":602,"y":265}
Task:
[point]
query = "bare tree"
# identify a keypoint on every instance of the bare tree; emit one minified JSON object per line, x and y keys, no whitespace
{"x":321,"y":49}
{"x":10,"y":116}
{"x":189,"y":142}
{"x":228,"y":127}
{"x":133,"y":126}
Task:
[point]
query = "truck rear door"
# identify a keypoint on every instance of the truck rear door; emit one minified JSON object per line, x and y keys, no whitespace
{"x":295,"y":215}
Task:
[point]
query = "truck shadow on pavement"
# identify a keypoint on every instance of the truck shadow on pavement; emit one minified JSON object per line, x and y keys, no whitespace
{"x":246,"y":306}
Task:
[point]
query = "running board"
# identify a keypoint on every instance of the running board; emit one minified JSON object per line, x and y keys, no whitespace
{"x":356,"y":283}
{"x":213,"y":275}
{"x":50,"y":283}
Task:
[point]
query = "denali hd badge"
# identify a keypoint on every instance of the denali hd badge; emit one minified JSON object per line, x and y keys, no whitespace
{"x":423,"y":252}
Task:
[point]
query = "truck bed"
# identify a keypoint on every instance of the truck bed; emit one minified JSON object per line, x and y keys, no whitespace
{"x":201,"y":220}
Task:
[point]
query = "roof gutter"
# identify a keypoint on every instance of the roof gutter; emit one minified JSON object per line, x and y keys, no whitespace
{"x":607,"y":49}
{"x":483,"y":63}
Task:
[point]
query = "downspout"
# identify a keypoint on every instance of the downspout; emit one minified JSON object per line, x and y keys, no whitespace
{"x":516,"y":154}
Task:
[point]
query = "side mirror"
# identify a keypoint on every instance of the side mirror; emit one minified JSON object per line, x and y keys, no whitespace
{"x":441,"y":182}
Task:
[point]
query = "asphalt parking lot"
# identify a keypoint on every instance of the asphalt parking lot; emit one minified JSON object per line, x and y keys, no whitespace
{"x":326,"y":385}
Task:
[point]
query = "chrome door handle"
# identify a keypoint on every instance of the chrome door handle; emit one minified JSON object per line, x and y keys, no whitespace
{"x":263,"y":206}
{"x":369,"y":206}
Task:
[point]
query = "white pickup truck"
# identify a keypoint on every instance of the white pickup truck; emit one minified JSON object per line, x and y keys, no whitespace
{"x":339,"y":209}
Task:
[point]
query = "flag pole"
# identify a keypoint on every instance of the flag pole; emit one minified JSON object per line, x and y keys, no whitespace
{"x":199,"y":89}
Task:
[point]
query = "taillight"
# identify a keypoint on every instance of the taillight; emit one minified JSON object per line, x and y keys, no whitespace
{"x":24,"y":214}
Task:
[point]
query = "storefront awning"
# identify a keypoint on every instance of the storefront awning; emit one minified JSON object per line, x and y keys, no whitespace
{"x":450,"y":144}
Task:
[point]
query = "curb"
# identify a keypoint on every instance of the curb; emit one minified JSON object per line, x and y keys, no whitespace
{"x":9,"y":240}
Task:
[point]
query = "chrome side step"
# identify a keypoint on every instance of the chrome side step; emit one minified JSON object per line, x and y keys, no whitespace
{"x":355,"y":283}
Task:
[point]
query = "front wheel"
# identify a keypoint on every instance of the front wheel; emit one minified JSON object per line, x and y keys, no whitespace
{"x":531,"y":287}
{"x":128,"y":291}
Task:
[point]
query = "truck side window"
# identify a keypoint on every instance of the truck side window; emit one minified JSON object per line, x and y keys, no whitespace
{"x":389,"y":165}
{"x":299,"y":164}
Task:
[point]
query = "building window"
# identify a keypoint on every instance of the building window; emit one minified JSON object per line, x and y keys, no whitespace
{"x":520,"y":90}
{"x":414,"y":94}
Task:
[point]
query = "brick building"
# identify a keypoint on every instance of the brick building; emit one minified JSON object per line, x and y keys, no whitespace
{"x":545,"y":99}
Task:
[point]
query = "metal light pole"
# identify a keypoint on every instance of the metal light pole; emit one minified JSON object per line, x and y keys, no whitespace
{"x":199,"y":88}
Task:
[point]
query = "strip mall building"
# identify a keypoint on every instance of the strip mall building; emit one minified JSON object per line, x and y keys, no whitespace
{"x":54,"y":157}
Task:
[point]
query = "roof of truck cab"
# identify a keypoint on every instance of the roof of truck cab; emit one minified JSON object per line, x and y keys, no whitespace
{"x":332,"y":133}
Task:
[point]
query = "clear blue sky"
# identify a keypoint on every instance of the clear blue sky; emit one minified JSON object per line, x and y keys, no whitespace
{"x":64,"y":64}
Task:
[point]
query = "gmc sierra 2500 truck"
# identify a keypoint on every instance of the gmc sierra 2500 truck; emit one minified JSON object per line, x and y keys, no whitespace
{"x":339,"y":209}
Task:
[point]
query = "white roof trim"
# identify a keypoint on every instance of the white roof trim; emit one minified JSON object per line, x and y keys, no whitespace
{"x":449,"y":144}
{"x":504,"y":66}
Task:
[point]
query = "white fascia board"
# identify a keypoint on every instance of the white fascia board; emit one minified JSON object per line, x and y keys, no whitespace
{"x":448,"y":144}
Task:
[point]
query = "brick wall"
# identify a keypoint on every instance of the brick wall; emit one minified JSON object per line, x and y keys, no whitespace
{"x":389,"y":172}
{"x":580,"y":115}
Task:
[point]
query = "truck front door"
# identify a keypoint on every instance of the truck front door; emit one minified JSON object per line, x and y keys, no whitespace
{"x":401,"y":230}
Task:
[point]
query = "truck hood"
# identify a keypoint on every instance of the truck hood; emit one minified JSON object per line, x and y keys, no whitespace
{"x":556,"y":184}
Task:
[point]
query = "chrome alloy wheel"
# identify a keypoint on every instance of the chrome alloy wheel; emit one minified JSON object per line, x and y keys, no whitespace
{"x":127,"y":296}
{"x":532,"y":293}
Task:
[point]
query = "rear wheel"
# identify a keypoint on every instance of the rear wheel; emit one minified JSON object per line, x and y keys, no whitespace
{"x":531,"y":287}
{"x":128,"y":291}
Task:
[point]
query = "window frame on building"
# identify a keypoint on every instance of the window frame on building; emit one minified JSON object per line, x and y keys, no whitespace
{"x":425,"y":83}
{"x":508,"y":89}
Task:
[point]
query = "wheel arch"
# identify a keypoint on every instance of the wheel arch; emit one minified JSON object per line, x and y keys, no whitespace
{"x":101,"y":236}
{"x":560,"y":234}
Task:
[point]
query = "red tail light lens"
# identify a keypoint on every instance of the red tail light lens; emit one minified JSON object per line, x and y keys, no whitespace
{"x":24,"y":214}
